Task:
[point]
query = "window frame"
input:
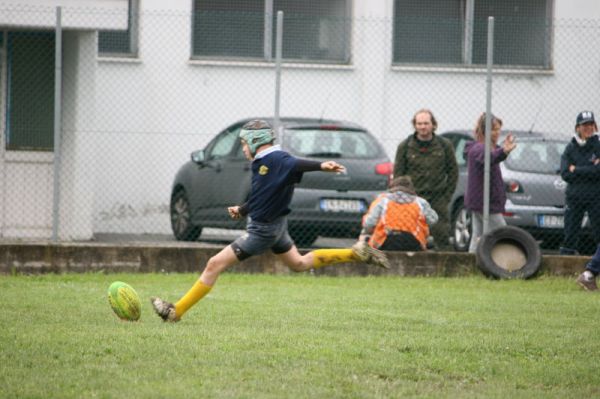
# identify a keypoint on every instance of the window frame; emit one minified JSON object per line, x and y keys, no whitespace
{"x":133,"y":36}
{"x":468,"y":11}
{"x":268,"y":47}
{"x":8,"y":138}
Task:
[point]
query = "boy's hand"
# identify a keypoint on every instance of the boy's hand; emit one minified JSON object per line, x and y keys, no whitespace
{"x":234,"y":212}
{"x":332,"y":166}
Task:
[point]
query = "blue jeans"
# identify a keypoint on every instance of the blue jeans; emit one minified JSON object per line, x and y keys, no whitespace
{"x":594,"y":264}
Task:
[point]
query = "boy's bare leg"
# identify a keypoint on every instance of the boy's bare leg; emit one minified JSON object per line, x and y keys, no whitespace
{"x":216,"y":264}
{"x":295,"y":261}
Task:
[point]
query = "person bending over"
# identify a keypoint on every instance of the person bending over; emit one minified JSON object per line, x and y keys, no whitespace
{"x":399,"y":220}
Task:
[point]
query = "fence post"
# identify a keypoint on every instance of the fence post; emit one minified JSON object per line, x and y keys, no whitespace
{"x":468,"y":42}
{"x":278,"y":48}
{"x":268,"y":29}
{"x":57,"y":122}
{"x":488,"y":127}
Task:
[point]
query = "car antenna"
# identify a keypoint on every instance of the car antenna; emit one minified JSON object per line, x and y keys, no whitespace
{"x":535,"y":118}
{"x":324,"y":107}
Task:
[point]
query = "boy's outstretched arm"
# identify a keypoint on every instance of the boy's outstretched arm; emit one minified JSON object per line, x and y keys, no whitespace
{"x":307,"y":165}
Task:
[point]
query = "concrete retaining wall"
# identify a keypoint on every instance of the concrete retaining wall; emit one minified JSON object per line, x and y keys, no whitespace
{"x":47,"y":257}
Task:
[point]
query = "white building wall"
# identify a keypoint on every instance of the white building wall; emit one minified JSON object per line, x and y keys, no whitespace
{"x":26,"y":182}
{"x":28,"y":176}
{"x":162,"y":106}
{"x":27,"y":198}
{"x":41,"y":14}
{"x":78,"y":157}
{"x":577,"y":9}
{"x":129,"y":124}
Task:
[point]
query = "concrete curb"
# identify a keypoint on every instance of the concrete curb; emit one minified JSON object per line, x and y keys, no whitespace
{"x":132,"y":257}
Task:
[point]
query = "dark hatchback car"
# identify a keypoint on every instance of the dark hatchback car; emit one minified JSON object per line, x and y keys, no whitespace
{"x":324,"y":204}
{"x":534,"y":189}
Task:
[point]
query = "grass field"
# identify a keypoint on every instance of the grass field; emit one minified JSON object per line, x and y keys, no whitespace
{"x":258,"y":336}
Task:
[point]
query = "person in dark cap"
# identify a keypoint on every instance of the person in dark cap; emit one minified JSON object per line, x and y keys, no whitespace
{"x":398,"y":220}
{"x":580,"y":168}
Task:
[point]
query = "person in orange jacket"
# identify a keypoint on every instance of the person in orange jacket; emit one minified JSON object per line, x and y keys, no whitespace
{"x":399,"y":220}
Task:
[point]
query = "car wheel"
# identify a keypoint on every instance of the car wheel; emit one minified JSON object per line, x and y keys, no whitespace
{"x":303,"y":237}
{"x":461,"y":229}
{"x":181,"y":218}
{"x":508,"y":252}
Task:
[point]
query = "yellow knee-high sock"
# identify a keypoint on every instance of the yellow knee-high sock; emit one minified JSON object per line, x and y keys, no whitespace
{"x":197,"y":292}
{"x":325,"y":257}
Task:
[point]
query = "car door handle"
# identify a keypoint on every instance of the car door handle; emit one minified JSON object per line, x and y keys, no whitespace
{"x":213,"y":165}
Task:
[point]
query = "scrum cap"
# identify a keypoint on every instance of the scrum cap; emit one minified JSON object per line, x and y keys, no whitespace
{"x":256,"y":133}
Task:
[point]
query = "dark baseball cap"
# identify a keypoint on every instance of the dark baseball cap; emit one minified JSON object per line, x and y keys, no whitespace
{"x":585,"y":117}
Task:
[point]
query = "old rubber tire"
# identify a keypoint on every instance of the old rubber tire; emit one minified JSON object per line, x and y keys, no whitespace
{"x":508,"y":252}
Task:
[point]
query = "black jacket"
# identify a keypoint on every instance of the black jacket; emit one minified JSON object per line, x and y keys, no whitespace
{"x":585,"y":180}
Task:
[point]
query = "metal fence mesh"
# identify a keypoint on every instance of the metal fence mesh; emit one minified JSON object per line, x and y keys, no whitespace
{"x":135,"y":103}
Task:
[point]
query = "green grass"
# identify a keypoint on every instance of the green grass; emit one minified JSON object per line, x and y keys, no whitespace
{"x":258,"y":336}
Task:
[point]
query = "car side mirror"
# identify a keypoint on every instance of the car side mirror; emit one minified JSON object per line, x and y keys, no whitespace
{"x":198,"y":157}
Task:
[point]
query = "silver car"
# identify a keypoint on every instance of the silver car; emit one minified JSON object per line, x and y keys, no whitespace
{"x":534,"y":189}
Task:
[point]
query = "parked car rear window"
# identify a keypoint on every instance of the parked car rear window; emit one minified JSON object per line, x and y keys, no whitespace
{"x":331,"y":143}
{"x":538,"y":156}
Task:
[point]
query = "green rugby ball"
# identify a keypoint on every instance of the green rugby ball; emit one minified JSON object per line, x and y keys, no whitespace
{"x":124,"y":301}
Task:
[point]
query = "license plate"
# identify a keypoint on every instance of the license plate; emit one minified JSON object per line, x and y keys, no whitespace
{"x":342,"y":205}
{"x":551,"y":221}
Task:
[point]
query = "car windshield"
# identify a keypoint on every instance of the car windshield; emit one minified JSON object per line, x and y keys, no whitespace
{"x":331,"y":143}
{"x":536,"y":156}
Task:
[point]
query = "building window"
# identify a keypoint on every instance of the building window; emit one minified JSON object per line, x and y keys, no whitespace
{"x":454,"y":32}
{"x":30,"y":91}
{"x":314,"y":30}
{"x":121,"y":43}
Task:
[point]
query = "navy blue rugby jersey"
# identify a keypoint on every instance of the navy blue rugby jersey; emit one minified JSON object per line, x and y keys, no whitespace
{"x":274,"y":174}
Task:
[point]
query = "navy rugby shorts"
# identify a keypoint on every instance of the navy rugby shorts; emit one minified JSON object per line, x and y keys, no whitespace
{"x":260,"y":237}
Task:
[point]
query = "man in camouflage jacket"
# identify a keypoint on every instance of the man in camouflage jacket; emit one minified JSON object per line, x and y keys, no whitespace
{"x":431,"y":163}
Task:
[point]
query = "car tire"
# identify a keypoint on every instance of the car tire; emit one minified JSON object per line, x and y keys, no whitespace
{"x":461,"y":228}
{"x":303,"y":237}
{"x":508,"y":252}
{"x":181,"y":218}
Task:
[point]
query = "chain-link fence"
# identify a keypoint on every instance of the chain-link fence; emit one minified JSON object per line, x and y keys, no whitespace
{"x":136,"y":102}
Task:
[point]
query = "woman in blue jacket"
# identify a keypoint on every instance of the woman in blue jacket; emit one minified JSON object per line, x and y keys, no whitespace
{"x":580,"y":168}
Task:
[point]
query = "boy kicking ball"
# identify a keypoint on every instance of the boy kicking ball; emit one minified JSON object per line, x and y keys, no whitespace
{"x":274,"y":174}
